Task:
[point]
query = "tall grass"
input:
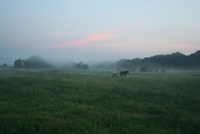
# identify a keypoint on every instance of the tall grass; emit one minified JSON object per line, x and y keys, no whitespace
{"x":95,"y":102}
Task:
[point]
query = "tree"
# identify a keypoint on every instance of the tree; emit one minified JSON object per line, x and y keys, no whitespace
{"x":4,"y":65}
{"x":163,"y":71}
{"x":35,"y":62}
{"x":81,"y":65}
{"x":144,"y":69}
{"x":18,"y":63}
{"x":156,"y":71}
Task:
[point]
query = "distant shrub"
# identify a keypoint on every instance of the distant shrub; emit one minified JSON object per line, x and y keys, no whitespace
{"x":81,"y":65}
{"x":163,"y":71}
{"x":156,"y":71}
{"x":4,"y":65}
{"x":144,"y":69}
{"x":150,"y":70}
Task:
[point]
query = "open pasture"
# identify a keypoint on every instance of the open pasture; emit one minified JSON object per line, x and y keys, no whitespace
{"x":94,"y":102}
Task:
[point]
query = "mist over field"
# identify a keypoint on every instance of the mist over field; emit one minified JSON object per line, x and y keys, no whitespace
{"x":60,"y":62}
{"x":173,"y":61}
{"x":92,"y":101}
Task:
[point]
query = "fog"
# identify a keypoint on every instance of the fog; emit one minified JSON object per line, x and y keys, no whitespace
{"x":173,"y":61}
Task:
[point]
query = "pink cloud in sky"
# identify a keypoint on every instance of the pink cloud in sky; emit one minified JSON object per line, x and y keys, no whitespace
{"x":104,"y":35}
{"x":98,"y":37}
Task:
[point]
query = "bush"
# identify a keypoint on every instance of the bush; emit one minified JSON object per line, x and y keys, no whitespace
{"x":81,"y":65}
{"x":144,"y":69}
{"x":156,"y":71}
{"x":163,"y":71}
{"x":4,"y":65}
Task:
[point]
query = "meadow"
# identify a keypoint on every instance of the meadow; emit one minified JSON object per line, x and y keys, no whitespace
{"x":94,"y":102}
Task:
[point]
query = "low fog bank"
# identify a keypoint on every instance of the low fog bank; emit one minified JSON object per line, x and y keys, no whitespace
{"x":175,"y":61}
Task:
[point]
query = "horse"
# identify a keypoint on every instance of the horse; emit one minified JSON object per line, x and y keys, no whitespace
{"x":124,"y":73}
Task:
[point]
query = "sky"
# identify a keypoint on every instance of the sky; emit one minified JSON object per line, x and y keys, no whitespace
{"x":97,"y":30}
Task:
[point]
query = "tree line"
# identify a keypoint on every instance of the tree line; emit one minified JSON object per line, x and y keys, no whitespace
{"x":175,"y":60}
{"x":36,"y":62}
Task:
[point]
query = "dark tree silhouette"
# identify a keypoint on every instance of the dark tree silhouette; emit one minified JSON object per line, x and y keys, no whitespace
{"x":175,"y":60}
{"x":34,"y":62}
{"x":81,"y":65}
{"x":144,"y":69}
{"x":4,"y":65}
{"x":18,"y":63}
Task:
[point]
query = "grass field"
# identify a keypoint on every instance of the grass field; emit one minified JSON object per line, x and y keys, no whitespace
{"x":78,"y":102}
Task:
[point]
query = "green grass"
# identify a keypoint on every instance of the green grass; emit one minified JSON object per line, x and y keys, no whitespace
{"x":94,"y":102}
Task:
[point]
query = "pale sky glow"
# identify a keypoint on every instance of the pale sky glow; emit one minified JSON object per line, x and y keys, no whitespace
{"x":95,"y":30}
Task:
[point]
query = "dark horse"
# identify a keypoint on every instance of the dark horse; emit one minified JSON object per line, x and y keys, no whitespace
{"x":124,"y":73}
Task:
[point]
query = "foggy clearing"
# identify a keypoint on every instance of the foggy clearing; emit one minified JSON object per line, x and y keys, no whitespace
{"x":99,"y":67}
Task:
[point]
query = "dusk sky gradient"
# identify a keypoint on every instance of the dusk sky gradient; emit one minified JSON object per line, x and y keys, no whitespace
{"x":96,"y":30}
